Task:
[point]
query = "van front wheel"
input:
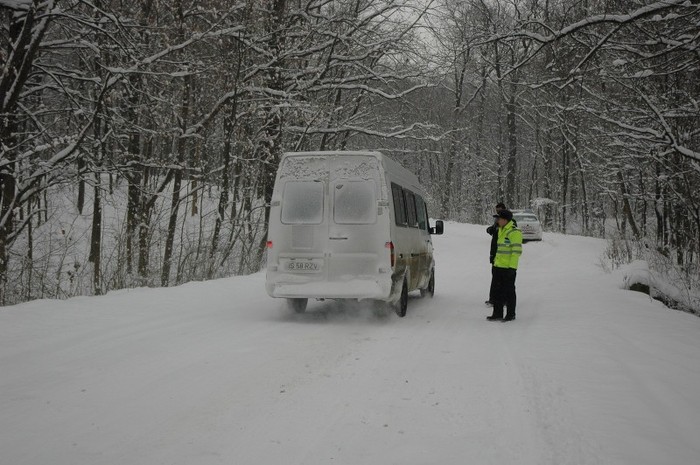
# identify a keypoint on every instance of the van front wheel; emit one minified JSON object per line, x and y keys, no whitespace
{"x":298,"y":305}
{"x":430,"y":290}
{"x":402,"y":304}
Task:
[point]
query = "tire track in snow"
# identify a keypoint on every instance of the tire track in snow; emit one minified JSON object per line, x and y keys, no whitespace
{"x":544,"y":291}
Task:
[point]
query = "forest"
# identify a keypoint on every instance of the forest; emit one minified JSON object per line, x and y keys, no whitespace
{"x":139,"y":140}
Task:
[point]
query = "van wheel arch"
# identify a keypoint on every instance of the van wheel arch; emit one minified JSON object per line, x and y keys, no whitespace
{"x":430,"y":289}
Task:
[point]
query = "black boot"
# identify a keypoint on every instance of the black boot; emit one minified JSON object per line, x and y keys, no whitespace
{"x":497,"y":314}
{"x":508,"y":318}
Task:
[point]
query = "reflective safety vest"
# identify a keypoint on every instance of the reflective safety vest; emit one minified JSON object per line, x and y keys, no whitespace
{"x":509,"y":247}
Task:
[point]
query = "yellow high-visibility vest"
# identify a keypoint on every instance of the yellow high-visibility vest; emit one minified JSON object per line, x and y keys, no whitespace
{"x":509,"y":247}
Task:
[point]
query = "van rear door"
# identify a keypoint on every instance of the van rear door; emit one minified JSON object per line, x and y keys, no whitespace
{"x":356,"y":234}
{"x":303,"y":236}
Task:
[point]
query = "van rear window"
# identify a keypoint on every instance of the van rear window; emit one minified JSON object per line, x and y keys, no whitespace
{"x":302,"y":202}
{"x":355,"y":202}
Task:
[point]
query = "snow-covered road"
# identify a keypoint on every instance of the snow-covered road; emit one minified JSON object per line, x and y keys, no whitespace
{"x":218,"y":373}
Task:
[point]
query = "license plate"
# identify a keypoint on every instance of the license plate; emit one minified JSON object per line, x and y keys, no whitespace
{"x":303,"y":266}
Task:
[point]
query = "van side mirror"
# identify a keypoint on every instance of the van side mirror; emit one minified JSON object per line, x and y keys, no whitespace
{"x":438,"y":229}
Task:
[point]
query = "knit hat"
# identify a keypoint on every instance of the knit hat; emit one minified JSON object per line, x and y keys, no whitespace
{"x":505,"y":214}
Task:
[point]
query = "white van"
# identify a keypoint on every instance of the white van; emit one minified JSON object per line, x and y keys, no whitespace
{"x":348,"y":225}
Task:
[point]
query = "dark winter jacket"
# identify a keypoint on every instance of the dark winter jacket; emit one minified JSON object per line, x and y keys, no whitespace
{"x":493,"y":231}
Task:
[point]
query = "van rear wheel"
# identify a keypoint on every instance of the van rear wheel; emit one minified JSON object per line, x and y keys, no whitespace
{"x":430,"y":290}
{"x":402,"y":304}
{"x":298,"y":305}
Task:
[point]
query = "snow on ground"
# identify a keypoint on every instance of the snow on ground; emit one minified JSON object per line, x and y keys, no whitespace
{"x":219,"y":373}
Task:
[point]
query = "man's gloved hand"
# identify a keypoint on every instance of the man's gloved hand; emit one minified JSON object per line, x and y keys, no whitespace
{"x":489,"y":230}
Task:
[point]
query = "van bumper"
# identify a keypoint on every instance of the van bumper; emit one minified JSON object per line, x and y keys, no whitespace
{"x":358,"y":288}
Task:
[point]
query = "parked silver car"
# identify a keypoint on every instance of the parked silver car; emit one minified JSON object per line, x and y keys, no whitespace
{"x":529,"y":224}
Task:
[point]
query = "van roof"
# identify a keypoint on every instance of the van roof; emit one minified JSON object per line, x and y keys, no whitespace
{"x":336,"y":153}
{"x":393,"y":166}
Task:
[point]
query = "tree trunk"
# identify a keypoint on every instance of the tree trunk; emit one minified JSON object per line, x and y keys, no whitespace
{"x":659,"y":208}
{"x":273,"y":124}
{"x":181,"y":145}
{"x":144,"y":218}
{"x":564,"y":183}
{"x":81,"y":185}
{"x":17,"y":61}
{"x":511,"y":170}
{"x":132,"y":214}
{"x":96,"y":236}
{"x":134,"y":175}
{"x":626,"y":208}
{"x":224,"y":188}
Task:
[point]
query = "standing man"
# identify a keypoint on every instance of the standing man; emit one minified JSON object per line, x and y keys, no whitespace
{"x":509,"y":247}
{"x":493,"y":231}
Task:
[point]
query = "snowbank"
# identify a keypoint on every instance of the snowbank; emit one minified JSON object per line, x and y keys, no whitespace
{"x":637,"y":275}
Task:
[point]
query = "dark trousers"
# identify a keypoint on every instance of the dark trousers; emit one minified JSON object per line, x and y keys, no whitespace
{"x":503,"y":291}
{"x":492,"y":298}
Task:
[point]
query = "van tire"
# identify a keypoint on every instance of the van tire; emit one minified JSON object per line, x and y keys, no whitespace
{"x":430,"y":290}
{"x":297,"y":305}
{"x":402,"y":305}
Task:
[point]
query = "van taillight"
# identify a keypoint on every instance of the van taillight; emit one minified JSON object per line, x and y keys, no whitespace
{"x":390,"y":245}
{"x":269,"y":244}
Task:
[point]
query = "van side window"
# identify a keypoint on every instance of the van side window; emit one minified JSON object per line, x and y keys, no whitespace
{"x":411,"y":216}
{"x":302,"y":202}
{"x":355,"y":202}
{"x":420,"y":210}
{"x":399,"y":204}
